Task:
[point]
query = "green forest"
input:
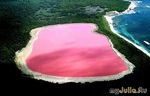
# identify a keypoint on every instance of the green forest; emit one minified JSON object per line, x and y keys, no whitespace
{"x":18,"y":17}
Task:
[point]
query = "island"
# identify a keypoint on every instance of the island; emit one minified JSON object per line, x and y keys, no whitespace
{"x":19,"y":17}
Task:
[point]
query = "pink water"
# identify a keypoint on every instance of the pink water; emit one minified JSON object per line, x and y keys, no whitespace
{"x":73,"y":50}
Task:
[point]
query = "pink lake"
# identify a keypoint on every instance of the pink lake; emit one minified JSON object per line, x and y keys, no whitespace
{"x":74,"y":50}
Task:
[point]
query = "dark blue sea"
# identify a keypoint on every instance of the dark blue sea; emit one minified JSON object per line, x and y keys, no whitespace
{"x":136,"y":26}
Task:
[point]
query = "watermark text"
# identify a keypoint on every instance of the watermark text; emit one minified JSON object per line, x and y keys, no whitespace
{"x":128,"y":90}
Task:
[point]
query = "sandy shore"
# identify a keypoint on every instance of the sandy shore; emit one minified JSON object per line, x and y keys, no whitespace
{"x":130,"y":10}
{"x":24,"y":53}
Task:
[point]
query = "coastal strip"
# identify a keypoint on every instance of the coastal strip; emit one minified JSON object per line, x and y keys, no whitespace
{"x":109,"y":17}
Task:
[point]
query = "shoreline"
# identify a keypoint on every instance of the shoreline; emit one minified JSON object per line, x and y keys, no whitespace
{"x":110,"y":16}
{"x":24,"y":53}
{"x":129,"y":10}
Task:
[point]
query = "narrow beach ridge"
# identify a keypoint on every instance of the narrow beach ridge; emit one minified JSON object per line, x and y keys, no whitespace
{"x":110,"y":15}
{"x":24,"y":53}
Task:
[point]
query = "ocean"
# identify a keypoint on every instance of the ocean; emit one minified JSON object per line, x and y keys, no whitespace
{"x":136,"y":26}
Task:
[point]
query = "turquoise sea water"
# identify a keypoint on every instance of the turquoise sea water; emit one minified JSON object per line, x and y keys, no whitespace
{"x":136,"y":26}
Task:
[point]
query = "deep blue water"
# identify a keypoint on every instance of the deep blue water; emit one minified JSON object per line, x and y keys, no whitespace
{"x":136,"y":26}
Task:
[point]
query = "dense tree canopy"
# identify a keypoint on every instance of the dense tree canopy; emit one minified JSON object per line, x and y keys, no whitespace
{"x":18,"y":17}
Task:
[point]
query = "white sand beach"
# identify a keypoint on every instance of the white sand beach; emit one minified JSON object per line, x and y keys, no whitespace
{"x":128,"y":11}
